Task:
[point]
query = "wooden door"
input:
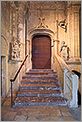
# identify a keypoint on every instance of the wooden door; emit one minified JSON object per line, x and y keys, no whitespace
{"x":41,"y":52}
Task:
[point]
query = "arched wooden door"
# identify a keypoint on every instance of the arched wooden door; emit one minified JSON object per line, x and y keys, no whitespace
{"x":41,"y":52}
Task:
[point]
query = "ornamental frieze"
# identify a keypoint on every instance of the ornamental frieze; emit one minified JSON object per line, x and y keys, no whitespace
{"x":47,"y":4}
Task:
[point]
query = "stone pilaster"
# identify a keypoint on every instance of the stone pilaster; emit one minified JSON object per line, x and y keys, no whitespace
{"x":76,"y":31}
{"x":56,"y":46}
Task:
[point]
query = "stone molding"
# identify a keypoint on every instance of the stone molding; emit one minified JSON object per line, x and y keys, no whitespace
{"x":2,"y":36}
{"x":47,"y":5}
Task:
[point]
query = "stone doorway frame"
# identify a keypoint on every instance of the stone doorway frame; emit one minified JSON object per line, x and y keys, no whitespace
{"x":41,"y":31}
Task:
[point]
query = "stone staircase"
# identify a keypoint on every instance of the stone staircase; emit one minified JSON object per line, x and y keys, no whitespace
{"x":40,"y":87}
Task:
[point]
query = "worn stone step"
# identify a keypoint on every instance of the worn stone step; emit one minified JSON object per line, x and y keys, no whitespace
{"x":40,"y":99}
{"x":41,"y":73}
{"x":37,"y":73}
{"x":37,"y":95}
{"x":42,"y":90}
{"x":39,"y":82}
{"x":42,"y":70}
{"x":45,"y":93}
{"x":38,"y":91}
{"x":40,"y":87}
{"x":39,"y":77}
{"x":27,"y":101}
{"x":25,"y":104}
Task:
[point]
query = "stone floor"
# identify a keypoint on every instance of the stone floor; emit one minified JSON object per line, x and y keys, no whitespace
{"x":39,"y":113}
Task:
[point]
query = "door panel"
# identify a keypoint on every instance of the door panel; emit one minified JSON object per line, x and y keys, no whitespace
{"x":41,"y":52}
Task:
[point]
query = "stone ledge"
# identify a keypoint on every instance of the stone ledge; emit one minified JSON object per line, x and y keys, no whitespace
{"x":74,"y":61}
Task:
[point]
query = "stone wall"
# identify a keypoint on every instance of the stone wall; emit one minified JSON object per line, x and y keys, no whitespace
{"x":53,"y":11}
{"x":12,"y":41}
{"x":5,"y":38}
{"x":18,"y":19}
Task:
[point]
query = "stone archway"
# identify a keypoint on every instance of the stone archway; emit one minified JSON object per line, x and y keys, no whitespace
{"x":45,"y":32}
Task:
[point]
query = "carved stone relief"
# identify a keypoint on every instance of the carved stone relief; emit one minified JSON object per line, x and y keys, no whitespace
{"x":14,"y":43}
{"x":15,"y":30}
{"x":15,"y":49}
{"x":42,"y":23}
{"x":47,"y":4}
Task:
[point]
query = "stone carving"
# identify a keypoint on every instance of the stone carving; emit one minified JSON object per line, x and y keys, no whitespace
{"x":15,"y":32}
{"x":64,"y":51}
{"x":15,"y":49}
{"x":63,"y":24}
{"x":47,"y":4}
{"x":17,"y":10}
{"x":42,"y":24}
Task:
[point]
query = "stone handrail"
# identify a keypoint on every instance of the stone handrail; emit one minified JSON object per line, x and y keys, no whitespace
{"x":70,"y":83}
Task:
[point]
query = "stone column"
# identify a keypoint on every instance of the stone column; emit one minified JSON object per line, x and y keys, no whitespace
{"x":76,"y":31}
{"x":56,"y":46}
{"x":70,"y":32}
